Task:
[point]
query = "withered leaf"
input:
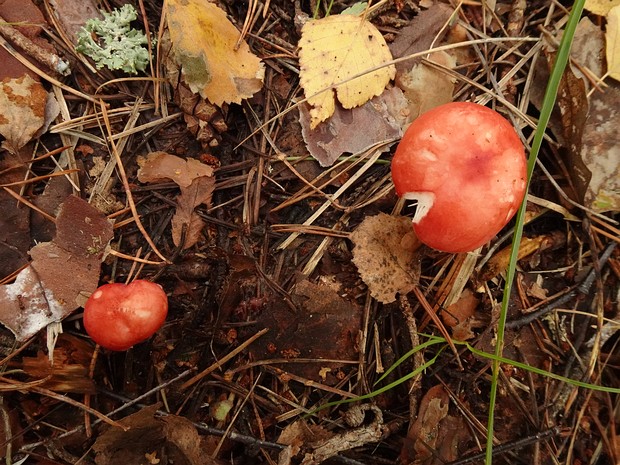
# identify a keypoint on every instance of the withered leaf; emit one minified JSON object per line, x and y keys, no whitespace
{"x":332,"y":51}
{"x":351,"y":131}
{"x":196,"y":183}
{"x":147,"y":435}
{"x":206,"y":45}
{"x":321,"y":315}
{"x":384,"y":252}
{"x":422,"y":437}
{"x":26,"y":108}
{"x":41,"y":293}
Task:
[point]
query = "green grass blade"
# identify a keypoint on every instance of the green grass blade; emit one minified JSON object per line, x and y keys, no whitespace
{"x":545,"y":114}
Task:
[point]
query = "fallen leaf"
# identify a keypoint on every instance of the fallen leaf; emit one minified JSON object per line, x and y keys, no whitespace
{"x":600,"y":7}
{"x":41,"y":293}
{"x":321,"y":315}
{"x":26,"y":111}
{"x":70,"y":367}
{"x":148,"y":435}
{"x":355,"y":130}
{"x":422,"y":437}
{"x":199,"y":192}
{"x":72,"y":15}
{"x":161,"y":166}
{"x":333,"y":50}
{"x":426,"y":87}
{"x":458,"y":316}
{"x":612,"y":39}
{"x":196,"y":183}
{"x":204,"y":42}
{"x":425,"y":29}
{"x":15,"y":219}
{"x":384,"y":252}
{"x":600,"y":151}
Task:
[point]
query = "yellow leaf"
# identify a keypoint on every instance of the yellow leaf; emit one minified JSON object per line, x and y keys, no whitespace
{"x":612,"y":38}
{"x":334,"y":49}
{"x":600,"y":7}
{"x":204,"y":41}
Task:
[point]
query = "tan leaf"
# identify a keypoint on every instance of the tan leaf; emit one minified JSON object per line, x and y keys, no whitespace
{"x":600,"y":7}
{"x":333,"y":50}
{"x":612,"y":39}
{"x":23,"y":102}
{"x":204,"y":42}
{"x":197,"y":193}
{"x":384,"y":252}
{"x":196,"y":182}
{"x":426,"y":87}
{"x":159,"y":166}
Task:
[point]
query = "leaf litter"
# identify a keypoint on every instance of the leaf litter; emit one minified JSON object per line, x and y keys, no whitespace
{"x":295,"y":281}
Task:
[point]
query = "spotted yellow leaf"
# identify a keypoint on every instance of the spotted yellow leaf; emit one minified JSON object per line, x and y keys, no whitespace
{"x":332,"y":51}
{"x":204,"y":43}
{"x":600,"y":7}
{"x":612,"y":39}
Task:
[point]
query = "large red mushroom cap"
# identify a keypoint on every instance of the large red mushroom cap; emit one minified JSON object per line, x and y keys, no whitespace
{"x":465,"y":165}
{"x":118,"y":316}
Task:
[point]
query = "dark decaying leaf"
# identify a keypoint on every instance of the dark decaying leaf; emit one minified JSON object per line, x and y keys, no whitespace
{"x":321,"y":315}
{"x":42,"y":292}
{"x":148,"y":437}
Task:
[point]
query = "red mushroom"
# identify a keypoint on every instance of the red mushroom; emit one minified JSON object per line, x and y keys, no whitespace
{"x":465,"y":166}
{"x":118,"y":316}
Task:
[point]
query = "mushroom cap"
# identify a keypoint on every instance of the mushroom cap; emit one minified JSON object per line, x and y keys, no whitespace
{"x":117,"y":316}
{"x":465,"y":165}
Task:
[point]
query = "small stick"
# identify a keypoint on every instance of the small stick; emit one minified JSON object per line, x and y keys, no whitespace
{"x":223,"y":360}
{"x":37,"y":53}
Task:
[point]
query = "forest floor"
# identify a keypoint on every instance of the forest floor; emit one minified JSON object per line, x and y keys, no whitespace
{"x":305,"y":324}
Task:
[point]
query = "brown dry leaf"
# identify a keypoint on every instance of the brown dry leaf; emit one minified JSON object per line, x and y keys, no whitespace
{"x":297,"y":435}
{"x":458,"y":316}
{"x":454,"y":437}
{"x":72,"y":15}
{"x":426,"y":87}
{"x":70,"y":367}
{"x":41,"y":293}
{"x":27,"y":110}
{"x":322,"y":315}
{"x":422,"y":437}
{"x":204,"y":42}
{"x":384,"y":253}
{"x":600,"y":151}
{"x":355,"y":130}
{"x":424,"y":30}
{"x":196,"y":183}
{"x":15,"y":219}
{"x":161,"y":166}
{"x":198,"y":193}
{"x":148,"y":436}
{"x":333,"y":50}
{"x":612,"y":39}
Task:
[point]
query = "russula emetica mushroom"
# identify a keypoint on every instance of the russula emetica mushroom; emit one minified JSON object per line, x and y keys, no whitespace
{"x":118,"y":316}
{"x":465,"y":167}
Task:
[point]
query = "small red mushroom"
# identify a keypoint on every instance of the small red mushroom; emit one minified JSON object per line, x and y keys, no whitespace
{"x":465,"y":166}
{"x":118,"y":316}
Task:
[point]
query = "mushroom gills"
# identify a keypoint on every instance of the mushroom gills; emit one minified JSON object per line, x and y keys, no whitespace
{"x":423,"y":201}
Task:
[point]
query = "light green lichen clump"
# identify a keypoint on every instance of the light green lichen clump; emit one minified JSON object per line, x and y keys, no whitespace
{"x":118,"y":46}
